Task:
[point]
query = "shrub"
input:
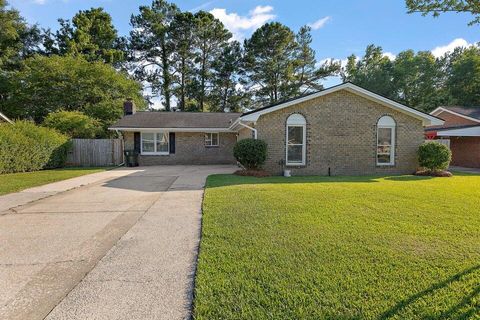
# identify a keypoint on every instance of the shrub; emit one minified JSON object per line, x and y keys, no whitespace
{"x":434,"y":156}
{"x":74,"y":124}
{"x":27,"y":147}
{"x":251,"y":153}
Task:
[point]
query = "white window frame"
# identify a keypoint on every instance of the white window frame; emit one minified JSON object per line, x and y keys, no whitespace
{"x":386,"y":122}
{"x":164,"y":153}
{"x":209,"y":139}
{"x":296,"y":120}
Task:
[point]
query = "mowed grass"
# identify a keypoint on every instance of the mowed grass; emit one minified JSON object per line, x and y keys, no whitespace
{"x":340,"y":248}
{"x":14,"y":182}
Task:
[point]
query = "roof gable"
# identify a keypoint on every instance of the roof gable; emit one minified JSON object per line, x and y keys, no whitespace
{"x":472,"y":114}
{"x":427,"y":119}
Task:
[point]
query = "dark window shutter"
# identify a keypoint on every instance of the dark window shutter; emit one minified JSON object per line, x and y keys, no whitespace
{"x":136,"y":141}
{"x":172,"y":142}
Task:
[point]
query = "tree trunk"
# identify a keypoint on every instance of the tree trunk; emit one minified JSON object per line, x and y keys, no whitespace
{"x":166,"y":77}
{"x":182,"y":87}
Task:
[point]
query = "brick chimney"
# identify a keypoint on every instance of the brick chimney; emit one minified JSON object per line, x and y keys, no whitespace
{"x":128,"y":107}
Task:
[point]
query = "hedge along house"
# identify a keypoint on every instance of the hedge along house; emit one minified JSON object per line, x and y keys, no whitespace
{"x":342,"y":130}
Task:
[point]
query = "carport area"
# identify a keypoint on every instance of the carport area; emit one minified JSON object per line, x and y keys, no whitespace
{"x":122,"y":247}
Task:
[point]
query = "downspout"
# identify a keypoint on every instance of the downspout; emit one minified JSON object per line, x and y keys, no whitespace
{"x":248,"y":127}
{"x":123,"y":148}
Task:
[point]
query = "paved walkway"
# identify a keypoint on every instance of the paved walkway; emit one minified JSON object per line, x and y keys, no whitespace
{"x":16,"y":199}
{"x":121,"y":248}
{"x":463,"y":169}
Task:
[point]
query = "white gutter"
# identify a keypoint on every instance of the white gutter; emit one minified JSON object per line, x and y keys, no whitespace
{"x":248,"y":127}
{"x":462,"y":132}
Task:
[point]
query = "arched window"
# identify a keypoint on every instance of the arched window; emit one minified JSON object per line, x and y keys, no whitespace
{"x":386,"y":141}
{"x":296,"y":140}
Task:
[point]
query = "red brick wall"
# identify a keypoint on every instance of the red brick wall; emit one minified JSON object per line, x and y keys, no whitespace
{"x":454,"y":120}
{"x":465,"y":151}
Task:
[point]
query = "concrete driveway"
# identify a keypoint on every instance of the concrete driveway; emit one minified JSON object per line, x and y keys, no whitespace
{"x":122,"y":247}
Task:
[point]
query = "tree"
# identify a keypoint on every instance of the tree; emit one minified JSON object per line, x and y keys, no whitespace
{"x":151,"y":48}
{"x":373,"y":71}
{"x":307,"y":74}
{"x":211,"y":37}
{"x":74,"y":124}
{"x":90,"y":33}
{"x":417,"y":79}
{"x":49,"y":84}
{"x":18,"y":40}
{"x":464,"y":77}
{"x":225,"y":95}
{"x":182,"y":30}
{"x":436,"y":7}
{"x":269,"y":65}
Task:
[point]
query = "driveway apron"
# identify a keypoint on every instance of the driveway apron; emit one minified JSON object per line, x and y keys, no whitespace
{"x":122,"y":248}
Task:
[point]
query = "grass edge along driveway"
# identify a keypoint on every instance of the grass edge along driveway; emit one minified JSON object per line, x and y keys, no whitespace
{"x":15,"y":182}
{"x":400,"y":247}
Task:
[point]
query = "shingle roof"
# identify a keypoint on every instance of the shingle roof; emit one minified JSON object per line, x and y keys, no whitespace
{"x":152,"y":119}
{"x":472,"y":112}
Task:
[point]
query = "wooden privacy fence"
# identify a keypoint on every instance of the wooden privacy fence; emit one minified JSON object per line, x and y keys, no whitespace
{"x":95,"y":152}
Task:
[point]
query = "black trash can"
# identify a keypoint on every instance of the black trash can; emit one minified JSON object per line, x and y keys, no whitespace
{"x":131,"y":158}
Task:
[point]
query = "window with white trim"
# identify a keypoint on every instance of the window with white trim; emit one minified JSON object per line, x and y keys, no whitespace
{"x":386,"y":141}
{"x":296,"y":140}
{"x":155,"y":143}
{"x":211,"y":139}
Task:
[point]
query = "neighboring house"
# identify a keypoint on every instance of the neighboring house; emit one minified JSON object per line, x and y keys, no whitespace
{"x":3,"y":118}
{"x":343,"y":130}
{"x":462,"y":128}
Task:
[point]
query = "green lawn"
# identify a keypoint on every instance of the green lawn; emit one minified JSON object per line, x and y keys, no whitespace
{"x":14,"y":182}
{"x":340,"y":248}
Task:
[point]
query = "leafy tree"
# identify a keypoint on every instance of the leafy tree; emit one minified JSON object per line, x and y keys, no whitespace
{"x":269,"y":65}
{"x":464,"y":77}
{"x":18,"y":40}
{"x":90,"y":33}
{"x":49,"y":84}
{"x":307,"y":74}
{"x":151,"y":48}
{"x":182,"y":30}
{"x":74,"y":124}
{"x":225,"y":95}
{"x":436,"y":7}
{"x":416,"y":79}
{"x":211,"y":38}
{"x":373,"y":71}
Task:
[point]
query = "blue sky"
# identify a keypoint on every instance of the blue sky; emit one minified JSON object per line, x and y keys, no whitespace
{"x":342,"y":27}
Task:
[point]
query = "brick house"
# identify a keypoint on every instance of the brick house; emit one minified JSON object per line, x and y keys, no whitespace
{"x":342,"y":130}
{"x":462,"y":129}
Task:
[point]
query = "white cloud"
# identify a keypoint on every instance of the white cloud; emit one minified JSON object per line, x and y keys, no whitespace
{"x":39,"y":1}
{"x":319,"y":23}
{"x":442,"y":50}
{"x":389,"y":55}
{"x":239,"y":25}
